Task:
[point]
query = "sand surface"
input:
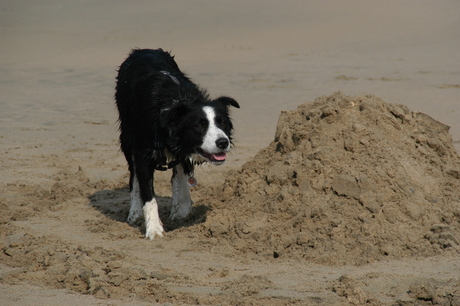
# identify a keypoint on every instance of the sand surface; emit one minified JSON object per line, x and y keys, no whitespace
{"x":357,"y":205}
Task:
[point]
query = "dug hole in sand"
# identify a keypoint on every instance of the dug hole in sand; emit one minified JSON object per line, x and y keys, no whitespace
{"x":347,"y":180}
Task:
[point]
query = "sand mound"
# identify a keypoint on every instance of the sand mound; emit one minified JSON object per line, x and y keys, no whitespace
{"x":347,"y":180}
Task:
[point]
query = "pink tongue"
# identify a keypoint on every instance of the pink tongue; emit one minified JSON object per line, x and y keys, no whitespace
{"x":219,"y":156}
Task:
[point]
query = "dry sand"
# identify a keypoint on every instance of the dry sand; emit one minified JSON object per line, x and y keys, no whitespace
{"x":358,"y":204}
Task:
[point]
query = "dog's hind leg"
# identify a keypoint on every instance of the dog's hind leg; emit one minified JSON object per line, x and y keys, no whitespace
{"x":181,"y":201}
{"x":143,"y":181}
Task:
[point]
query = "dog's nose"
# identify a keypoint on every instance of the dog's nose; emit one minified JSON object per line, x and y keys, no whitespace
{"x":222,"y":143}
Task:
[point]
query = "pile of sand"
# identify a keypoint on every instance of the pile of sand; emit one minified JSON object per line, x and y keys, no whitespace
{"x":347,"y":180}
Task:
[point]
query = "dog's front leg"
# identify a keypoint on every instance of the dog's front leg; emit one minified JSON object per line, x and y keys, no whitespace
{"x":181,"y":200}
{"x":153,"y":224}
{"x":135,"y":210}
{"x":143,"y":184}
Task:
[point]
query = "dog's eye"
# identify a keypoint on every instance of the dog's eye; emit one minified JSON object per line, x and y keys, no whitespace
{"x":200,"y":125}
{"x":221,"y":121}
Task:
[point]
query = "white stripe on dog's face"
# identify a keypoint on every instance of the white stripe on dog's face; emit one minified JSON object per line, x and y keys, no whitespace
{"x":213,"y":133}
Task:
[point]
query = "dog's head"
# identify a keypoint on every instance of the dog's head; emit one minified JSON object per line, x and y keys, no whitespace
{"x":201,"y":131}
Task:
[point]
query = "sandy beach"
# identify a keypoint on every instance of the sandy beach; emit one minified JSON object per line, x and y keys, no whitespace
{"x":63,"y":180}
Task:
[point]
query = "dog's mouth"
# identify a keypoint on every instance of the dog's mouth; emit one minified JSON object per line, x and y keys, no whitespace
{"x":215,"y":158}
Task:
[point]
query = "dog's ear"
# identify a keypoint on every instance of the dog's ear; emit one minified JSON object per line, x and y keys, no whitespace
{"x":227,"y":101}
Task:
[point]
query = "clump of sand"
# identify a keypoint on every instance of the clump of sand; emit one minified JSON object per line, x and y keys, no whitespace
{"x":347,"y":180}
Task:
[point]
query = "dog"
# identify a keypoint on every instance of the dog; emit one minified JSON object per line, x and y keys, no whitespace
{"x":166,"y":121}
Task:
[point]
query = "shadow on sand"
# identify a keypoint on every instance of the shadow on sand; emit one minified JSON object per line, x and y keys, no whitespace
{"x":114,"y":203}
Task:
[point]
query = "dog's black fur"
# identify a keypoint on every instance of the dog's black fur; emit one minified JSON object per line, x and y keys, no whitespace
{"x":162,"y":123}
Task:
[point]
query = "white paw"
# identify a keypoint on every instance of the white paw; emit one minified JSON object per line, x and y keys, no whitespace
{"x":153,"y":225}
{"x":154,"y":230}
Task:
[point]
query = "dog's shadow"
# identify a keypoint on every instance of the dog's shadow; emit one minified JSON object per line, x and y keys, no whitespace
{"x":114,"y":203}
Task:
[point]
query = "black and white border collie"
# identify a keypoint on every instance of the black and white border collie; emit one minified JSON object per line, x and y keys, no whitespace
{"x":166,"y":121}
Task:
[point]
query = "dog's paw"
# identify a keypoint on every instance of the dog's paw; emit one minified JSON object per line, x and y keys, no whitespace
{"x":135,"y":210}
{"x":153,"y":225}
{"x":154,"y":230}
{"x":181,"y":211}
{"x":135,"y":216}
